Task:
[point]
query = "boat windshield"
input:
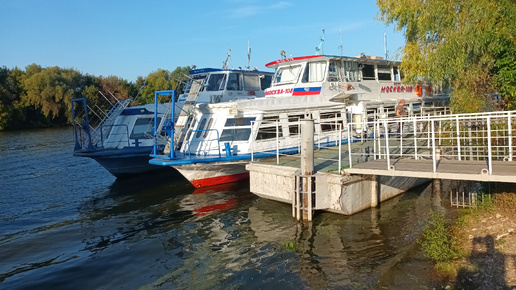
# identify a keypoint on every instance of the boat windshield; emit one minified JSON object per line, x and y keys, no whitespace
{"x":216,"y":82}
{"x":195,"y":78}
{"x":314,"y":72}
{"x":288,"y":74}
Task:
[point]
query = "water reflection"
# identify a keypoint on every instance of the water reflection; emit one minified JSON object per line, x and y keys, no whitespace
{"x":337,"y":250}
{"x":158,"y":231}
{"x":258,"y":244}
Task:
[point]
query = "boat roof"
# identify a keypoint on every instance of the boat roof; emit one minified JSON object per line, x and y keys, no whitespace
{"x":210,"y":70}
{"x":301,"y":59}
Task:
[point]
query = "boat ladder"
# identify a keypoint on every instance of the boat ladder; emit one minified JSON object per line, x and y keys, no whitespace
{"x":303,"y":199}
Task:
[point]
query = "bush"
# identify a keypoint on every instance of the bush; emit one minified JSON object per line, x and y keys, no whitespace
{"x":437,"y":241}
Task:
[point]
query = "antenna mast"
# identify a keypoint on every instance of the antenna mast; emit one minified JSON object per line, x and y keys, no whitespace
{"x":340,"y":46}
{"x":320,"y":47}
{"x":225,"y":63}
{"x":385,"y":44}
{"x":248,"y":55}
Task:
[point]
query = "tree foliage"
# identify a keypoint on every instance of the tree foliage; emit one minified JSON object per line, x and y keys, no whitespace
{"x":51,"y":90}
{"x":163,"y":80}
{"x":41,"y":96}
{"x":468,"y":45}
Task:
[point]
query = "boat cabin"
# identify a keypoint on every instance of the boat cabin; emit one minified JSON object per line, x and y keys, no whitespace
{"x":340,"y":78}
{"x":212,"y":85}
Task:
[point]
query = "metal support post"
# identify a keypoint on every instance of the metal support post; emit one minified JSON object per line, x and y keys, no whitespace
{"x":414,"y":124}
{"x":489,"y":149}
{"x":387,"y":145}
{"x":458,"y":135}
{"x":510,"y":136}
{"x":340,"y":147}
{"x":434,"y":159}
{"x":350,"y":125}
{"x":277,"y":142}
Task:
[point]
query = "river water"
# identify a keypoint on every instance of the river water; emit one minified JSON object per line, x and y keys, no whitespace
{"x":66,"y":223}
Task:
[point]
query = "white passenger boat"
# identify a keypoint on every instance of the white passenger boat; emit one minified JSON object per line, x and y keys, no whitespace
{"x":122,"y":141}
{"x":218,"y":139}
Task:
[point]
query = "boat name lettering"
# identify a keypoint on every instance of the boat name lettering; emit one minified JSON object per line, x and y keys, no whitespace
{"x":285,"y":60}
{"x":396,"y":89}
{"x":279,"y":92}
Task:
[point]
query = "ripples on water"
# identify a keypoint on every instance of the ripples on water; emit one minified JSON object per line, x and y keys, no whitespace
{"x":66,"y":223}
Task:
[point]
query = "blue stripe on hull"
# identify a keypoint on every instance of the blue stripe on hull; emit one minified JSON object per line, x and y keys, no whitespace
{"x":193,"y":159}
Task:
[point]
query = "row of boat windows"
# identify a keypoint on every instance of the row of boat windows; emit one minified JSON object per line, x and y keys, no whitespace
{"x":233,"y":82}
{"x":336,"y":71}
{"x":239,"y":129}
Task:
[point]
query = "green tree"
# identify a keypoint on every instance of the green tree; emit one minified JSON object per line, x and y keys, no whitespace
{"x":114,"y":86}
{"x":10,"y":92}
{"x":51,"y":90}
{"x":468,"y":45}
{"x":180,"y":75}
{"x":163,"y":80}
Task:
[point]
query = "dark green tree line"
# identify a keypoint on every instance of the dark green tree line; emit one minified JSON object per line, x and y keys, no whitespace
{"x":41,"y":96}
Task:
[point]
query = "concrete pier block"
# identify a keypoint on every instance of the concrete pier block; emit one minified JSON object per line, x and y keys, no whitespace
{"x":336,"y":193}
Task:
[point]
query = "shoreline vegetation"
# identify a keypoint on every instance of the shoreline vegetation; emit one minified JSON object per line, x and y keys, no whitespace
{"x":476,"y":249}
{"x":38,"y":97}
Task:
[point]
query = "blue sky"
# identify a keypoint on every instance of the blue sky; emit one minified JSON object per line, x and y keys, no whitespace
{"x":134,"y":38}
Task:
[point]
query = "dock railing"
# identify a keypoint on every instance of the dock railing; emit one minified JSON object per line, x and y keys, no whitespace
{"x":480,"y":136}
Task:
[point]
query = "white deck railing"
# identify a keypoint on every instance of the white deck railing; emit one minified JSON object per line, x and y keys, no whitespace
{"x":481,"y":136}
{"x":478,"y":136}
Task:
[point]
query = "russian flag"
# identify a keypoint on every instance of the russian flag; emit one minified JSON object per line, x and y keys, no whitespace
{"x":306,"y":91}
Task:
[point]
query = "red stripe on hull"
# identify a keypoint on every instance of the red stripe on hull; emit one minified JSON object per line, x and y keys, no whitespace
{"x":219,"y":179}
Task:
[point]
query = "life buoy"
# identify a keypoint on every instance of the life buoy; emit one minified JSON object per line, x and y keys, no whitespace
{"x":251,"y":93}
{"x":349,"y":87}
{"x":419,"y":90}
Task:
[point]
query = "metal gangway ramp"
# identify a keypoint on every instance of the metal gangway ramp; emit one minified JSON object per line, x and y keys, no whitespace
{"x":476,"y":147}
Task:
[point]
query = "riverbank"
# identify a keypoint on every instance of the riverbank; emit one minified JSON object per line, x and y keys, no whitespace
{"x":486,"y":239}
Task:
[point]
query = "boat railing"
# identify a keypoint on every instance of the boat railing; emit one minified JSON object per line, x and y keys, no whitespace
{"x":275,"y":125}
{"x":207,"y":141}
{"x":323,"y":139}
{"x":91,"y":124}
{"x":110,"y":117}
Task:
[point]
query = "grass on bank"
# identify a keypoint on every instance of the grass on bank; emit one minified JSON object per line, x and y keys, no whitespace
{"x":443,"y":240}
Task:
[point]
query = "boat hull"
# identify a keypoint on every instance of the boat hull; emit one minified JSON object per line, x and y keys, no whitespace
{"x":123,"y":163}
{"x":208,"y":174}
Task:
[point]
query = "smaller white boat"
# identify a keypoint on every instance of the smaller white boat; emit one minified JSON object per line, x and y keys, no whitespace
{"x":122,"y":141}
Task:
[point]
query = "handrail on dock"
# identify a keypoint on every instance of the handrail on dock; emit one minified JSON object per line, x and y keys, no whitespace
{"x":481,"y":136}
